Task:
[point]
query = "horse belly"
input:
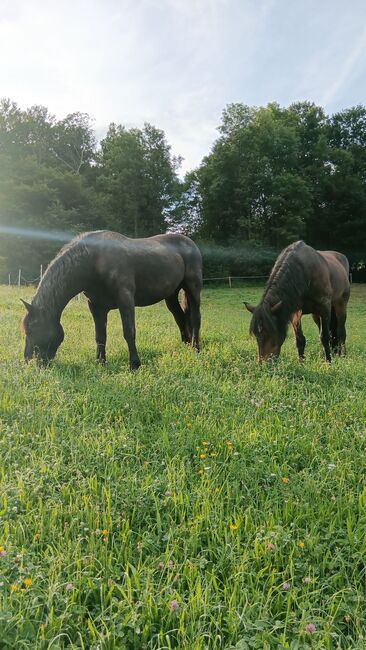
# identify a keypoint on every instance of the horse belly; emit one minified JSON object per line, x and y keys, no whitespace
{"x":153,"y":289}
{"x":150,"y":294}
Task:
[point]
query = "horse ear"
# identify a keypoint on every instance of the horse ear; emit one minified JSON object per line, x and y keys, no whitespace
{"x":28,"y":306}
{"x":249,"y":307}
{"x":276,"y":307}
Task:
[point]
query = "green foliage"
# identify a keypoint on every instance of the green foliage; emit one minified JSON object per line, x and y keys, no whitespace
{"x":235,"y":490}
{"x":278,"y":174}
{"x":138,"y":176}
{"x":274,"y":175}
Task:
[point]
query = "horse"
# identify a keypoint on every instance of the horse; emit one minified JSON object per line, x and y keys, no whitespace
{"x":115,"y":272}
{"x":303,"y":281}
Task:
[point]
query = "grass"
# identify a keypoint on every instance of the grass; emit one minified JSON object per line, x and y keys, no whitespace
{"x":203,"y":502}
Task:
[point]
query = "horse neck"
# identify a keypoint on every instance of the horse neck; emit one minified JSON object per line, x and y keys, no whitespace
{"x":64,"y":279}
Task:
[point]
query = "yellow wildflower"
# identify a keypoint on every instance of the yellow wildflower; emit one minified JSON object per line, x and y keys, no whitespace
{"x":285,"y":479}
{"x":301,"y":544}
{"x":233,"y":527}
{"x":27,"y":582}
{"x":202,"y":456}
{"x":104,"y":532}
{"x":13,"y":587}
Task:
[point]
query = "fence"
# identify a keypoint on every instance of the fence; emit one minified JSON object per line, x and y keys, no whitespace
{"x":21,"y":280}
{"x":229,"y":279}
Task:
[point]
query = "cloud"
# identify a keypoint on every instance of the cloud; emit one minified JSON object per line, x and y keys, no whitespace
{"x":177,"y":63}
{"x":342,"y":75}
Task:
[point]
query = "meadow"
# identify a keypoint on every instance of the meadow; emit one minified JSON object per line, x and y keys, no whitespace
{"x":203,"y":502}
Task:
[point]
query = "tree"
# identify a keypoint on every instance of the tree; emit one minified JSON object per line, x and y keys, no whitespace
{"x":138,"y":176}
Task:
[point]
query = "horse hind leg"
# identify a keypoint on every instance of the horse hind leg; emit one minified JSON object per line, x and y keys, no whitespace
{"x":126,"y":307}
{"x":341,"y":317}
{"x":179,"y":316}
{"x":333,"y":330}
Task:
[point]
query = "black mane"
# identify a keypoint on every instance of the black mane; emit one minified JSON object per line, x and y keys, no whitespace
{"x":286,"y":283}
{"x":61,"y":276}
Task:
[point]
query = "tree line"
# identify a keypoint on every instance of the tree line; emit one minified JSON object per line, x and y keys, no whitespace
{"x":273,"y":175}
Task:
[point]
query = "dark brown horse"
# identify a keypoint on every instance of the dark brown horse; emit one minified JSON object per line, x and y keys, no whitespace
{"x":303,"y":281}
{"x":116,"y":272}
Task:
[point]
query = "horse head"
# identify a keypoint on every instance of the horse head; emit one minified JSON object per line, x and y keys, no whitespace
{"x":267,"y":328}
{"x":43,"y":334}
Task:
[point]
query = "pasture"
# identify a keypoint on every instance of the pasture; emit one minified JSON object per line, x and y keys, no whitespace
{"x":202,"y":502}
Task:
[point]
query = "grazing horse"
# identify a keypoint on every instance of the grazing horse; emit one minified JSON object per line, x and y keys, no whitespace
{"x":303,"y":281}
{"x":116,"y":272}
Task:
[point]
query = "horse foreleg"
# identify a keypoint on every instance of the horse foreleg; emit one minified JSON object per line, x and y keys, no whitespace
{"x":299,"y":335}
{"x":127,"y":311}
{"x":100,"y":324}
{"x":179,"y":316}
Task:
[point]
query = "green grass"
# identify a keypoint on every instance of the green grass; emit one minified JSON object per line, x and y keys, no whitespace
{"x":217,"y":480}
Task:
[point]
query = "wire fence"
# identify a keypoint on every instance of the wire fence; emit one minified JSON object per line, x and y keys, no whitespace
{"x":20,"y":280}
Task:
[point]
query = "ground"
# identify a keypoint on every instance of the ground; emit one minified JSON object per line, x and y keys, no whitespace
{"x":203,"y":502}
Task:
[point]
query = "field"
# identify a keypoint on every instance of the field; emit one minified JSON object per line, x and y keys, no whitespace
{"x":203,"y":502}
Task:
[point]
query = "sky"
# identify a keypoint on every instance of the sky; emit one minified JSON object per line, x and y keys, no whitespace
{"x":178,"y":63}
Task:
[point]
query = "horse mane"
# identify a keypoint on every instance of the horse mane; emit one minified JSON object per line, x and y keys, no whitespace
{"x":55,"y":283}
{"x":286,"y":283}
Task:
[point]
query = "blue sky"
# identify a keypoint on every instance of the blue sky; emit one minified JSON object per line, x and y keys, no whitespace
{"x":178,"y":63}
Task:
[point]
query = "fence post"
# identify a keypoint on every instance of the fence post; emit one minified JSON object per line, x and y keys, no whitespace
{"x":9,"y":279}
{"x":19,"y":277}
{"x":230,"y":281}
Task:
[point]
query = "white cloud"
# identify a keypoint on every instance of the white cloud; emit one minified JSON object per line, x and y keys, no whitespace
{"x":176,"y":63}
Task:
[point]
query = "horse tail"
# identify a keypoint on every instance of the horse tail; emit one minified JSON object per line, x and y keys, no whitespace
{"x":187,"y":312}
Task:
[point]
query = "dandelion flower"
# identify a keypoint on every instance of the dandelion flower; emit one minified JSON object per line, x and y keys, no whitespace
{"x":301,"y":544}
{"x":104,"y":532}
{"x":202,"y":456}
{"x":13,"y":587}
{"x":233,"y":527}
{"x":285,"y":480}
{"x":27,"y":582}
